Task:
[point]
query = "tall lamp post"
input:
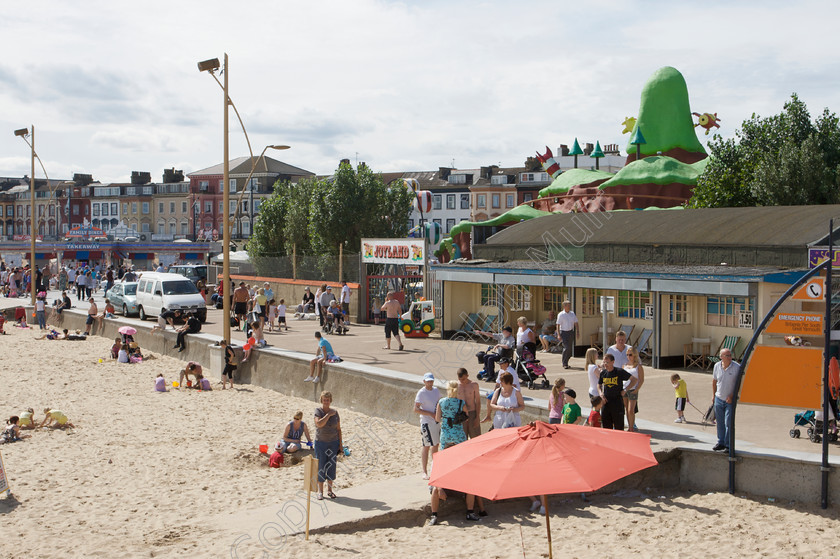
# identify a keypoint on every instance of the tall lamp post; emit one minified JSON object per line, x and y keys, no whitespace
{"x":23,"y":133}
{"x":254,"y":164}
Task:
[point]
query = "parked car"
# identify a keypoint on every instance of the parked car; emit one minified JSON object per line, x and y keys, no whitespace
{"x":158,"y":291}
{"x":193,"y":272}
{"x":124,"y":297}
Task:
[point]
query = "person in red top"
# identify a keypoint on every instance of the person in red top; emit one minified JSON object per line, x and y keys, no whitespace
{"x":276,"y":458}
{"x":595,"y":415}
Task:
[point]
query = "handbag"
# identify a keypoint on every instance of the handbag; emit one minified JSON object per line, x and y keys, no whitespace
{"x":460,"y":416}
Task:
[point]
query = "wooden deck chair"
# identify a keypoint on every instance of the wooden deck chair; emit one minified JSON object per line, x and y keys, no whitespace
{"x":627,"y":330}
{"x":469,"y":326}
{"x":643,"y":344}
{"x":692,"y":358}
{"x":730,"y":343}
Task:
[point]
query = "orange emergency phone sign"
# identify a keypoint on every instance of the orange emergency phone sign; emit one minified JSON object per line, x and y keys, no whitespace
{"x":814,"y":290}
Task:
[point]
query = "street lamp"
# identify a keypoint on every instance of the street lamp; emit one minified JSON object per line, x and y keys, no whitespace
{"x":23,"y":133}
{"x":254,"y":163}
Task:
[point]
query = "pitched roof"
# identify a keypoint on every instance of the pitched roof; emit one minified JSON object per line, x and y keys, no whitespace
{"x":766,"y":226}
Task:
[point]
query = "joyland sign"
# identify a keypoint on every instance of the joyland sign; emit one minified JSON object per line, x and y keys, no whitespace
{"x":393,"y":251}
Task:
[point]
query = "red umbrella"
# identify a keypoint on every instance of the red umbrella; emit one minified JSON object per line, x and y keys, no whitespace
{"x":540,"y":459}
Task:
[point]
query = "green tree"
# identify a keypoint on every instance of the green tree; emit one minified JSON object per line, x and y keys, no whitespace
{"x":353,"y":204}
{"x":317,"y":215}
{"x":785,"y":159}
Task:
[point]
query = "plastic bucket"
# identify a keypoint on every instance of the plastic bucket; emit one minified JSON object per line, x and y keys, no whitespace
{"x":263,"y":449}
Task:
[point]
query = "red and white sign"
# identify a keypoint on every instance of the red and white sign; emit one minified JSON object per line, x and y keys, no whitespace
{"x":393,"y":251}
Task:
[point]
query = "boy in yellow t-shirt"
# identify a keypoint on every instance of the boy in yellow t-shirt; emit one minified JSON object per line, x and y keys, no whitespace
{"x":681,"y":394}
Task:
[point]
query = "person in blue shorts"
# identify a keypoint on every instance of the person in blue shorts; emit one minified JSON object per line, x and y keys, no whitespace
{"x":325,"y":351}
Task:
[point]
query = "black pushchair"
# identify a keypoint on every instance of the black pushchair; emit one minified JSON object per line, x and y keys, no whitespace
{"x":808,"y":418}
{"x":529,"y":369}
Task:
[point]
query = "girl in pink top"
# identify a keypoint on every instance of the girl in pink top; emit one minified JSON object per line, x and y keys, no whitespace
{"x":556,"y":402}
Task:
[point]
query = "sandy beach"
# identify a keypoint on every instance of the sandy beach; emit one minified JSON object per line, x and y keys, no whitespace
{"x":143,"y":474}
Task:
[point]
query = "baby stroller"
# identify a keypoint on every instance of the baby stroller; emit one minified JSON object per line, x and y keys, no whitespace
{"x":530,"y":370}
{"x":814,"y":425}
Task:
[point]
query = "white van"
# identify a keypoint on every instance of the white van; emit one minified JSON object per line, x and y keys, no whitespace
{"x":156,"y":291}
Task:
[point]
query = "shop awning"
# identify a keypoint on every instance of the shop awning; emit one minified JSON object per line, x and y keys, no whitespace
{"x":191,"y":256}
{"x":141,"y":255}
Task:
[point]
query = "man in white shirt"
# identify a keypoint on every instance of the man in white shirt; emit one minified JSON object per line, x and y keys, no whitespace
{"x":724,"y":376}
{"x":567,"y":323}
{"x":345,"y":299}
{"x":425,"y":404}
{"x":619,"y":349}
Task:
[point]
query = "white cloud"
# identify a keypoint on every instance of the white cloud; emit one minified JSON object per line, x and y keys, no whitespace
{"x":114,"y":88}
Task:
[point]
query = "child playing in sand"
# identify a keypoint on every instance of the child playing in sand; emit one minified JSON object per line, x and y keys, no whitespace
{"x":27,"y":419}
{"x":276,"y":458}
{"x":193,"y":369}
{"x":281,"y":315}
{"x":595,"y":415}
{"x":11,"y":433}
{"x":115,"y":349}
{"x":2,"y":323}
{"x":160,"y":383}
{"x":54,"y":415}
{"x":203,"y":383}
{"x":122,"y":355}
{"x":681,"y":394}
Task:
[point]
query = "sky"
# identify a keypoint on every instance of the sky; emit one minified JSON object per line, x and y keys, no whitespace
{"x":113,"y":87}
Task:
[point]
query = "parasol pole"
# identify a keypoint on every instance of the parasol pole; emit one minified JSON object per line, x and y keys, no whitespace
{"x":547,"y":525}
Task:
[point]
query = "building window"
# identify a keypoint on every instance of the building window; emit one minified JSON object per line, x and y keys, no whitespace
{"x":553,"y":298}
{"x":436,"y":202}
{"x":183,"y":207}
{"x":28,"y":211}
{"x":498,"y":179}
{"x":590,"y":302}
{"x":184,"y":227}
{"x":489,"y":295}
{"x":172,"y":207}
{"x":481,"y":201}
{"x":160,"y":207}
{"x":510,"y":200}
{"x":125,"y":208}
{"x":410,"y":224}
{"x":130,"y":191}
{"x":496,"y":200}
{"x":10,"y":211}
{"x":104,"y":209}
{"x":465,"y":201}
{"x":450,"y":223}
{"x":457,"y":179}
{"x":725,"y":311}
{"x":161,"y":228}
{"x":115,"y":208}
{"x":232,"y":185}
{"x":254,"y":184}
{"x":527,"y":197}
{"x":134,"y":207}
{"x":148,"y":190}
{"x":438,"y":222}
{"x":145,"y":207}
{"x":519,"y":297}
{"x":208,"y":207}
{"x":232,"y":207}
{"x":75,"y":209}
{"x":96,"y":210}
{"x":631,"y":304}
{"x":204,"y":186}
{"x":678,"y":309}
{"x":257,"y":204}
{"x":450,"y":201}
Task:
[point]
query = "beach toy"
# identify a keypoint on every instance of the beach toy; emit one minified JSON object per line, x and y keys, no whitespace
{"x":346,"y":451}
{"x":189,"y":384}
{"x":100,"y":360}
{"x":252,"y":341}
{"x":309,"y":444}
{"x":263,"y":449}
{"x":175,"y":384}
{"x":246,"y":347}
